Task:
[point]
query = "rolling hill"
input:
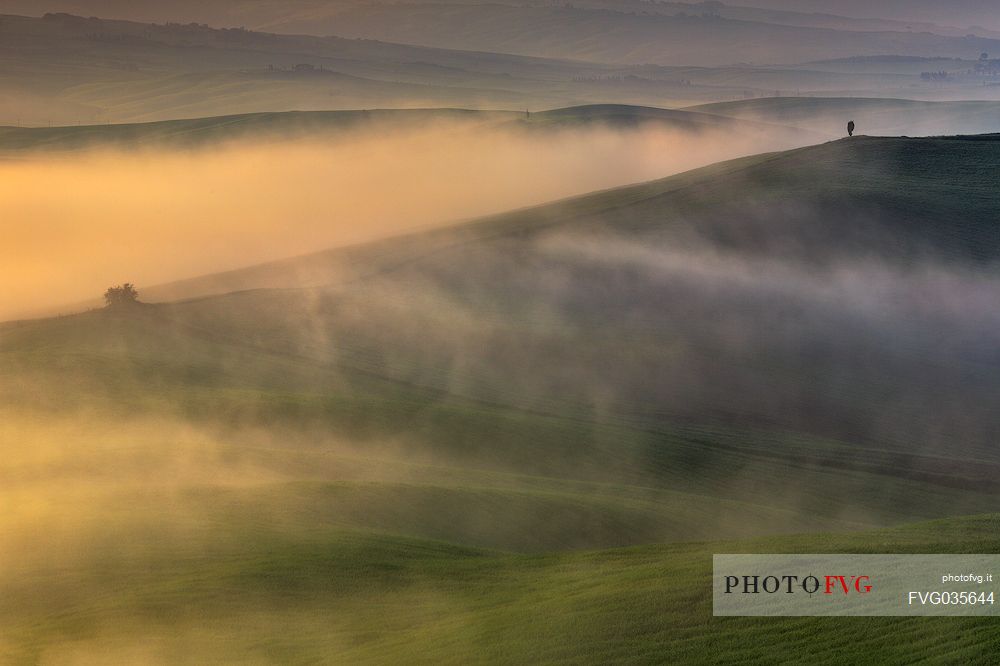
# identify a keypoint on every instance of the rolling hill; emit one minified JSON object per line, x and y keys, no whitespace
{"x":68,"y":70}
{"x":311,"y":125}
{"x":559,"y":299}
{"x":665,"y":33}
{"x":751,"y":318}
{"x":522,"y":438}
{"x":961,"y":13}
{"x":309,"y":593}
{"x":786,"y":122}
{"x":887,"y":117}
{"x":317,"y":16}
{"x":62,"y":69}
{"x":627,"y":37}
{"x":65,"y":69}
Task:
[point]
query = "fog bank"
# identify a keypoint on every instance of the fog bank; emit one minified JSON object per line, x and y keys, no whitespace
{"x":76,"y":224}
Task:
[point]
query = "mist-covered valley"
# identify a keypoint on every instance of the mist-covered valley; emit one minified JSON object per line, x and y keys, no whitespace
{"x":103,"y":206}
{"x":462,"y":332}
{"x":727,"y":353}
{"x":624,"y":323}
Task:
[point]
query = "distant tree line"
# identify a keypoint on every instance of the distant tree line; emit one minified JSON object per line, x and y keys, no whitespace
{"x":935,"y":76}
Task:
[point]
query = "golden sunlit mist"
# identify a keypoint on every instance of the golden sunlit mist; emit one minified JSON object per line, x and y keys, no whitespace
{"x":74,"y":224}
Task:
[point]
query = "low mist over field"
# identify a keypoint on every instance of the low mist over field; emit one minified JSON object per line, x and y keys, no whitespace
{"x":455,"y":424}
{"x":468,"y":331}
{"x":160,"y":214}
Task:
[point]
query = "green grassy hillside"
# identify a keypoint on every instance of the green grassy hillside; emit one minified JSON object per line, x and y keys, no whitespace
{"x":773,"y":333}
{"x":298,"y":593}
{"x":520,"y":439}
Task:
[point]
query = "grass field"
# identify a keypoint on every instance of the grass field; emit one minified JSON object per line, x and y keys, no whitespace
{"x":256,"y":591}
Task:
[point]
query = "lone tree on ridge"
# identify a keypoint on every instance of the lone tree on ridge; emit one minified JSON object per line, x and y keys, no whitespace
{"x":122,"y":295}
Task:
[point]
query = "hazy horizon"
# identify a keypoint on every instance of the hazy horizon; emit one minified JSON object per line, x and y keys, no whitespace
{"x":959,"y":13}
